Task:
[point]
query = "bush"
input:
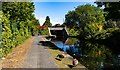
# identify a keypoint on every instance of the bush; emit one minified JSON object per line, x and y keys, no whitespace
{"x":17,"y":23}
{"x":6,"y":35}
{"x":45,"y":31}
{"x":73,"y":31}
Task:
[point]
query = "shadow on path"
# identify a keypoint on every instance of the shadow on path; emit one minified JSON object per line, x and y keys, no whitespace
{"x":49,"y":44}
{"x":38,"y":56}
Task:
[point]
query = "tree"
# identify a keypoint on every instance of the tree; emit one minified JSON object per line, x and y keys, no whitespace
{"x":84,"y":14}
{"x":111,"y":8}
{"x":71,"y":19}
{"x":6,"y":35}
{"x":18,"y":22}
{"x":87,"y":19}
{"x":18,"y":10}
{"x":47,"y":22}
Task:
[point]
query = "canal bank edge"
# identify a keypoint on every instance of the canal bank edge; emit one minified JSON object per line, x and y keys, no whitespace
{"x":66,"y":61}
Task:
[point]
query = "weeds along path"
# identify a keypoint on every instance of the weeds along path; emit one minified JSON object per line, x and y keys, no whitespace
{"x":16,"y":58}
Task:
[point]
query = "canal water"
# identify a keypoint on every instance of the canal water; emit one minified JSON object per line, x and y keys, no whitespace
{"x":92,"y":55}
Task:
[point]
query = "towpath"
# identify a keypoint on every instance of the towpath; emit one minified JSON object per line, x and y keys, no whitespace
{"x":38,"y":56}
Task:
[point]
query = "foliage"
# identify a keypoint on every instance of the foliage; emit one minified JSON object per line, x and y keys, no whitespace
{"x":72,"y":31}
{"x":1,"y":33}
{"x":91,"y":25}
{"x":87,"y":20}
{"x":18,"y":23}
{"x":47,"y":22}
{"x":18,"y":10}
{"x":112,"y":15}
{"x":0,"y":27}
{"x":91,"y":30}
{"x":93,"y":54}
{"x":84,"y":14}
{"x":112,"y":9}
{"x":45,"y":31}
{"x":6,"y":35}
{"x":71,"y":41}
{"x":114,"y":38}
{"x":71,"y":19}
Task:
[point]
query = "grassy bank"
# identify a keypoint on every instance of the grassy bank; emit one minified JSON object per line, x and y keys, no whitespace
{"x":66,"y":62}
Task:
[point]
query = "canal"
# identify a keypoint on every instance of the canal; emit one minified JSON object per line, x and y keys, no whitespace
{"x":92,"y":55}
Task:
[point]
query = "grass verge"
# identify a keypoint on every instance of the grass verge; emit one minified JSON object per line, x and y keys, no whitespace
{"x":15,"y":58}
{"x":65,"y":61}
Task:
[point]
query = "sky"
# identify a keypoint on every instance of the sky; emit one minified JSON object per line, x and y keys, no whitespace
{"x":55,"y":10}
{"x":64,"y":0}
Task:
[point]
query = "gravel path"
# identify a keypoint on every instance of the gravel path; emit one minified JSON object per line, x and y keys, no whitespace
{"x":39,"y":57}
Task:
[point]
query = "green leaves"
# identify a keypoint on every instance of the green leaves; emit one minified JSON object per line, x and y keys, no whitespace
{"x":6,"y":35}
{"x":84,"y":14}
{"x":18,"y":23}
{"x":88,"y":21}
{"x":18,"y":10}
{"x":112,"y":10}
{"x":73,"y":32}
{"x":47,"y":22}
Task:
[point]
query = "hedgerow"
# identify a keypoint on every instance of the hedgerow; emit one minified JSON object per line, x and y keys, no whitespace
{"x":18,"y":24}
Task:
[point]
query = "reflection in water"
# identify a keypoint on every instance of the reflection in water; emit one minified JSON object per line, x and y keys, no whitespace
{"x":92,"y":55}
